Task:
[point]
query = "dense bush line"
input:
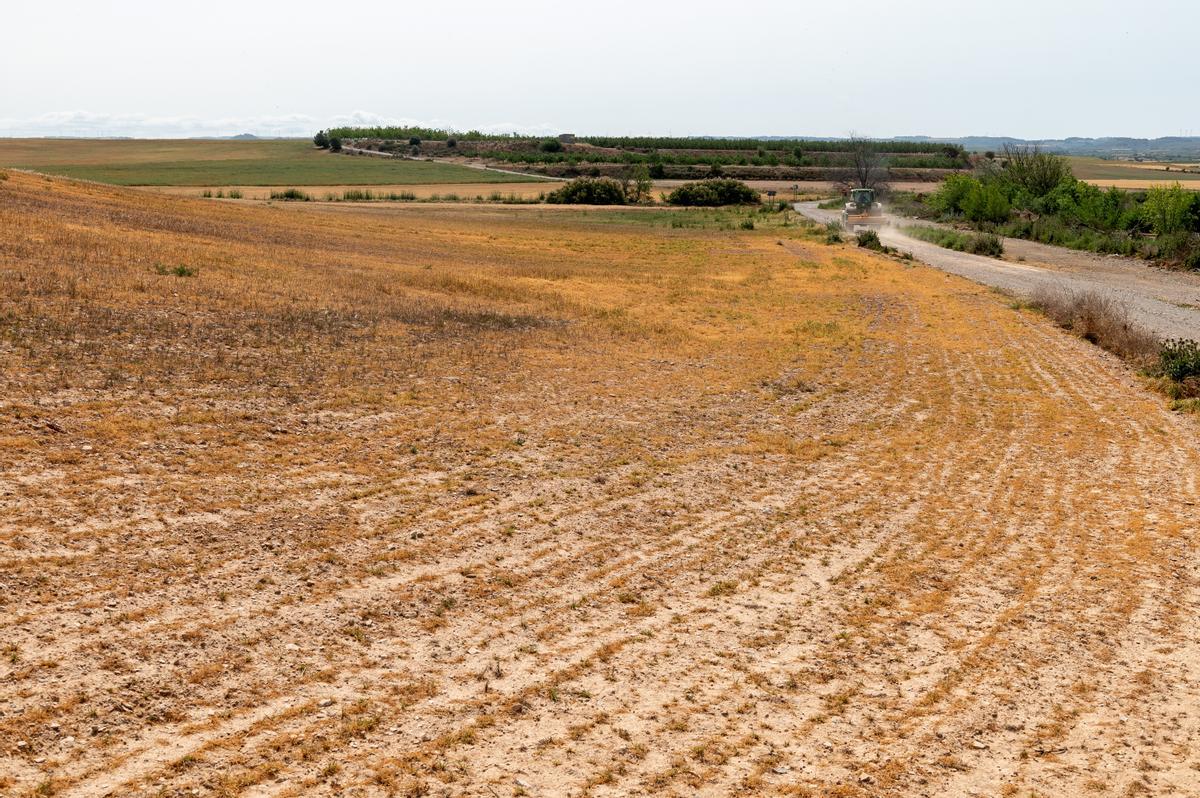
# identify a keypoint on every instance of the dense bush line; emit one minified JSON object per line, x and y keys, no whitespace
{"x":712,"y":193}
{"x":808,"y":145}
{"x":1033,"y":195}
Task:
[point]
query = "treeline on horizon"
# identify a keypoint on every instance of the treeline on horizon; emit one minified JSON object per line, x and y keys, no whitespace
{"x":953,"y":151}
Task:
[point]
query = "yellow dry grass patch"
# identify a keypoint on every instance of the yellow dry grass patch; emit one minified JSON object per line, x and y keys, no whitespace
{"x":397,"y":500}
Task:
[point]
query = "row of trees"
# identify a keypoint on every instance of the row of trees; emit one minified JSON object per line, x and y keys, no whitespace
{"x":327,"y":142}
{"x":635,"y":189}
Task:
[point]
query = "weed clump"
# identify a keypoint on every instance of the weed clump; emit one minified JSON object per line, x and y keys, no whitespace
{"x":869,"y":239}
{"x":1179,"y":364}
{"x":176,"y":271}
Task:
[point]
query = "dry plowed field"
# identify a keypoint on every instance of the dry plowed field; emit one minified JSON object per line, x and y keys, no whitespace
{"x":426,"y":501}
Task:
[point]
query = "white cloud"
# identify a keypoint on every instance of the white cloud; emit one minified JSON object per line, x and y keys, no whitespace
{"x":90,"y":124}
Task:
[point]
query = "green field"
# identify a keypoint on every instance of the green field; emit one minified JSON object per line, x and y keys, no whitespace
{"x":154,"y":162}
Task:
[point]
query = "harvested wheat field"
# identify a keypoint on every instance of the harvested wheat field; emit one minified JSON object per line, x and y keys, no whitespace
{"x":486,"y":501}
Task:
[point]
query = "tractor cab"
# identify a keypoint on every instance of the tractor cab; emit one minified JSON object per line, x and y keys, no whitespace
{"x":862,"y":198}
{"x":862,"y":209}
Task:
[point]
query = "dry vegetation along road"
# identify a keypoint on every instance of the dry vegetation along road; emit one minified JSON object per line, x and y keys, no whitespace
{"x":1164,"y":302}
{"x":432,"y":500}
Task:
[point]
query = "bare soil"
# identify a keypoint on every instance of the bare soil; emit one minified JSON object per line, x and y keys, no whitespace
{"x":425,"y":500}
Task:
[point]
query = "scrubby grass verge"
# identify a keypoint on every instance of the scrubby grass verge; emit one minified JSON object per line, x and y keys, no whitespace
{"x":1104,"y":321}
{"x":974,"y":243}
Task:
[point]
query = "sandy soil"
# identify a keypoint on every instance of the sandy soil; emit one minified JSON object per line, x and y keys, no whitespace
{"x":430,"y":501}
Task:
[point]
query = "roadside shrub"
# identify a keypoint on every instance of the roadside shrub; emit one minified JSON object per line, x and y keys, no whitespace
{"x":833,"y":233}
{"x":948,"y":199}
{"x":975,"y":243}
{"x":1102,"y":320}
{"x":176,"y":271}
{"x":1179,"y":360}
{"x":658,"y":171}
{"x":235,"y":193}
{"x":985,"y":202}
{"x":335,"y":144}
{"x":712,"y":193}
{"x":414,"y":141}
{"x":321,"y":140}
{"x":976,"y":200}
{"x":1167,"y":209}
{"x":869,"y":239}
{"x":551,"y":145}
{"x":589,"y":191}
{"x":451,"y":143}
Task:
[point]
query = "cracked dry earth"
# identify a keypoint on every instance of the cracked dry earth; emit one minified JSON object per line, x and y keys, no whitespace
{"x":488,"y":502}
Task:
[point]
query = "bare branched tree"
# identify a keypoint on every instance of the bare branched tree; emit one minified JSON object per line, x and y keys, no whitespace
{"x":1029,"y":169}
{"x":865,"y":166}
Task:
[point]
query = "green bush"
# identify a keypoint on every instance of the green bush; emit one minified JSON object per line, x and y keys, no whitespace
{"x":321,"y":140}
{"x":1167,"y":209}
{"x":335,"y":144}
{"x":948,"y":199}
{"x":975,"y":243}
{"x":589,"y":191}
{"x":712,"y":193}
{"x":869,"y":239}
{"x":551,"y":145}
{"x":1180,"y":360}
{"x":971,"y":198}
{"x":985,"y":202}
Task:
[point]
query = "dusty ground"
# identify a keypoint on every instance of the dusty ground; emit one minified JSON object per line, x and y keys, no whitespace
{"x":470,"y":501}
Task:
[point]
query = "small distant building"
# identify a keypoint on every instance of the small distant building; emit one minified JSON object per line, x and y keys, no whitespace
{"x":566,"y":138}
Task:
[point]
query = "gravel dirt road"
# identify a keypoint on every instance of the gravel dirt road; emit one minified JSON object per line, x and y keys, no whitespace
{"x":1165,"y":302}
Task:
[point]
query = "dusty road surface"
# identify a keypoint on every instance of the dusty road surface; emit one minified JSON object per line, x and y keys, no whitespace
{"x":434,"y":501}
{"x":1165,"y":302}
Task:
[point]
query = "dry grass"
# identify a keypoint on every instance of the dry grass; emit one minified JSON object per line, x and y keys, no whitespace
{"x":1102,"y":320}
{"x":436,"y":500}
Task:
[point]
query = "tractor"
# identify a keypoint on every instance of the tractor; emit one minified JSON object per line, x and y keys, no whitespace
{"x":862,"y":209}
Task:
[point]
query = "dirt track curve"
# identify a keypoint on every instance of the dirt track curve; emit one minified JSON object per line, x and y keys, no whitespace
{"x":1167,"y":303}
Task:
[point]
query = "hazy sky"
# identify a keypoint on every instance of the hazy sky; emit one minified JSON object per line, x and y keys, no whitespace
{"x":1050,"y":68}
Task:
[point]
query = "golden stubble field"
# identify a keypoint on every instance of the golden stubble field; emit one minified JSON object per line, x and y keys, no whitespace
{"x":430,"y":500}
